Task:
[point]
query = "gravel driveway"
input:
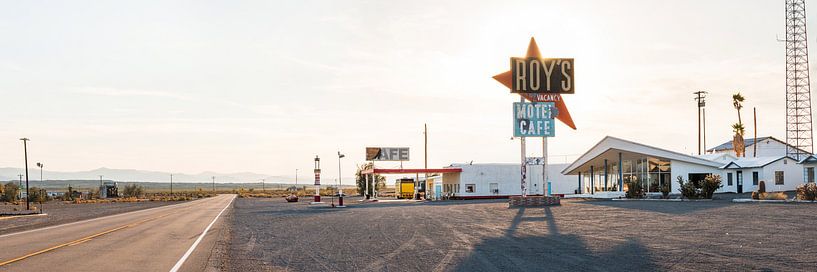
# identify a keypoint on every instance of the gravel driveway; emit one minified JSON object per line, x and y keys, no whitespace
{"x":271,"y":235}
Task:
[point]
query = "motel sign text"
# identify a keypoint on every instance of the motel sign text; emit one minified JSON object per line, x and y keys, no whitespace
{"x":536,"y":75}
{"x":387,"y":153}
{"x":534,"y":119}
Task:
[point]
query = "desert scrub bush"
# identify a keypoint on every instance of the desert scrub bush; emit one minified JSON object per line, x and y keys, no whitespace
{"x":774,"y":196}
{"x":704,"y":189}
{"x":10,"y":192}
{"x":665,"y":189}
{"x":807,"y":191}
{"x":761,"y":191}
{"x":710,"y":184}
{"x":634,"y":190}
{"x":133,"y":190}
{"x":687,"y":189}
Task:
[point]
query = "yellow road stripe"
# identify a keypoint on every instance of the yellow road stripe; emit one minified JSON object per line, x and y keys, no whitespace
{"x":80,"y":240}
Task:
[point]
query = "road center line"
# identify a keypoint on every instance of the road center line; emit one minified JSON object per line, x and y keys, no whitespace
{"x":196,"y":243}
{"x":104,"y":217}
{"x":81,"y":240}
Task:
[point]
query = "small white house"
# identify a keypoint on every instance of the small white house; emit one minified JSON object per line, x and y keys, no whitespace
{"x":779,"y":173}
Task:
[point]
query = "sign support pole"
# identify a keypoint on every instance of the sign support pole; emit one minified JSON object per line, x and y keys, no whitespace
{"x":545,"y":183}
{"x":524,"y":168}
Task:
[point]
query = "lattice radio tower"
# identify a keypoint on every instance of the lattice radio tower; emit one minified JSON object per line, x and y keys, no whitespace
{"x":798,"y":90}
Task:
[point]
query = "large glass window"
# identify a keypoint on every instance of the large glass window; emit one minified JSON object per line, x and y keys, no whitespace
{"x":650,"y":172}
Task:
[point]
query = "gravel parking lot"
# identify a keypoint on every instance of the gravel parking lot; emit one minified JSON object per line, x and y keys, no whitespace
{"x":61,"y":213}
{"x":271,"y":235}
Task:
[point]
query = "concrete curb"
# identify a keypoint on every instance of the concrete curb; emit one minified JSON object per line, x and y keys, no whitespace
{"x":664,"y":200}
{"x":22,"y":215}
{"x":749,"y":200}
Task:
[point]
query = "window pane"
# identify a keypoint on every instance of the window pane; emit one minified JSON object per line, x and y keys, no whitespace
{"x":778,"y":177}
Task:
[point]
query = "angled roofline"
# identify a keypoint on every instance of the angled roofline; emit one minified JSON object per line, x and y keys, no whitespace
{"x":761,"y":166}
{"x":806,"y":158}
{"x":728,"y":164}
{"x":690,"y":159}
{"x":767,"y":137}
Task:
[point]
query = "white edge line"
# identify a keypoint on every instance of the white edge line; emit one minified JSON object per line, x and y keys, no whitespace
{"x":98,"y":218}
{"x":196,"y":243}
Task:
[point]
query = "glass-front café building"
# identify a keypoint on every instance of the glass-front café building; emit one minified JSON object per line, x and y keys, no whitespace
{"x":612,"y":163}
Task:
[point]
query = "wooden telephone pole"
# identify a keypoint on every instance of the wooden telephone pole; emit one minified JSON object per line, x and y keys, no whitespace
{"x":701,"y":95}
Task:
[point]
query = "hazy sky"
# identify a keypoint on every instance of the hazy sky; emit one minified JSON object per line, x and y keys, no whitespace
{"x":264,"y":86}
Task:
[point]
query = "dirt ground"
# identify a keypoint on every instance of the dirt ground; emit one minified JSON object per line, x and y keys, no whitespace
{"x":61,"y":213}
{"x":271,"y":235}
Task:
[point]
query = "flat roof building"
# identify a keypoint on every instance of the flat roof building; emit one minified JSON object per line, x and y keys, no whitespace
{"x":613,"y":162}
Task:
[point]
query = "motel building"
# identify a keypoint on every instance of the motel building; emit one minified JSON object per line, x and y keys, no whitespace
{"x":610,"y":164}
{"x":604,"y":170}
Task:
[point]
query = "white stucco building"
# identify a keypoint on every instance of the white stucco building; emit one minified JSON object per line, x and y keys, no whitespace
{"x":612,"y":162}
{"x":616,"y":161}
{"x":497,"y":180}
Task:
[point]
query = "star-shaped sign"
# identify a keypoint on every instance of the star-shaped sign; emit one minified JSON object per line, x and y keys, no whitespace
{"x":506,"y":79}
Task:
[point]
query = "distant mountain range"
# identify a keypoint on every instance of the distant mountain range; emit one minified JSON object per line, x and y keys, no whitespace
{"x":132,"y":175}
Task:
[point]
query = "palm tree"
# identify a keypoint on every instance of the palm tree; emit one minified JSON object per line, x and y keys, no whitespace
{"x":737,"y":101}
{"x":738,"y":128}
{"x":737,"y":142}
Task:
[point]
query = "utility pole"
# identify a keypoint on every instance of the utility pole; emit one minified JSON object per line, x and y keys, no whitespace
{"x":263,"y":189}
{"x":25,"y":152}
{"x":171,"y":184}
{"x":703,"y":111}
{"x":214,"y":183}
{"x":754,"y":142}
{"x":701,"y":95}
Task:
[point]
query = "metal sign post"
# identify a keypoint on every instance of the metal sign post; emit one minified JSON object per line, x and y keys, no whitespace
{"x":538,"y":79}
{"x":524,"y":164}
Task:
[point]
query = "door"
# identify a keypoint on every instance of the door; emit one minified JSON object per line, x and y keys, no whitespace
{"x":740,"y":181}
{"x":494,"y":188}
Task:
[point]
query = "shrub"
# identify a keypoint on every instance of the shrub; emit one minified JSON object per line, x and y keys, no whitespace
{"x":634,"y":190}
{"x":704,"y":189}
{"x":10,"y":192}
{"x":665,"y":189}
{"x":774,"y":196}
{"x":761,"y":191}
{"x":133,"y":190}
{"x":37,"y":195}
{"x":807,"y":191}
{"x":710,"y":184}
{"x":687,"y":189}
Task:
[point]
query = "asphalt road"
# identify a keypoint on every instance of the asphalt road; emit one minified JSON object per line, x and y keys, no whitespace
{"x":157,"y":239}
